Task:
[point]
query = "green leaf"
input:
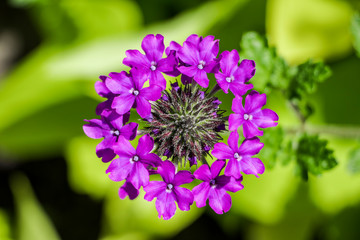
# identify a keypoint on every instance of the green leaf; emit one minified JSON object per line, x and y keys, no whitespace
{"x":337,"y":189}
{"x":305,"y":81}
{"x":86,"y":172}
{"x":313,"y":156}
{"x":273,"y":141}
{"x":5,"y":230}
{"x":354,"y":161}
{"x":355,"y":29}
{"x":33,"y":223}
{"x":270,"y":69}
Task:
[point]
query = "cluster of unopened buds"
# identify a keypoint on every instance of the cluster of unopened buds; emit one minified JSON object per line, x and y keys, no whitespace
{"x":181,"y":125}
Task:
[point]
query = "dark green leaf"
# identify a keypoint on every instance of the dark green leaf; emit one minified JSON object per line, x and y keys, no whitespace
{"x":270,"y":69}
{"x":308,"y":75}
{"x":313,"y":156}
{"x":355,"y":29}
{"x":354,"y":161}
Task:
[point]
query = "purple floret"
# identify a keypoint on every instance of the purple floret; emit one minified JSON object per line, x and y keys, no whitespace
{"x":169,"y":191}
{"x":214,"y":187}
{"x":110,"y":127}
{"x":152,"y":63}
{"x":251,"y":117}
{"x":130,"y":89}
{"x":132,"y":163}
{"x":240,"y":158}
{"x":233,"y":77}
{"x":199,"y":56}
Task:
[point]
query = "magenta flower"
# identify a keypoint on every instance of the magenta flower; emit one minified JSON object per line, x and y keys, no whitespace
{"x":251,"y":117}
{"x":214,"y":187}
{"x":110,"y":127}
{"x":240,"y":158}
{"x":152,"y":63}
{"x":132,"y":163}
{"x":199,"y":55}
{"x":233,"y":76}
{"x":168,"y":191}
{"x":130,"y":89}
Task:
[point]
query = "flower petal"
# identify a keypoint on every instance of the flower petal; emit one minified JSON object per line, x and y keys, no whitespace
{"x":139,"y":175}
{"x":252,"y":166}
{"x":248,"y":67}
{"x":123,"y":148}
{"x":151,"y":93}
{"x":216,"y":168}
{"x":250,"y":146}
{"x":154,"y":189}
{"x":188,"y":71}
{"x":251,"y":130}
{"x":143,"y":107}
{"x":222,"y":151}
{"x":203,"y":173}
{"x":184,"y":198}
{"x":239,"y":89}
{"x":119,"y":169}
{"x":201,"y":78}
{"x":265,"y":118}
{"x":120,"y":83}
{"x":151,"y":159}
{"x":122,"y":104}
{"x":235,"y":121}
{"x":153,"y":46}
{"x":167,"y":171}
{"x":254,"y":101}
{"x":234,"y":185}
{"x":94,"y":128}
{"x":233,"y":168}
{"x":145,"y":145}
{"x":135,"y":59}
{"x":165,"y":205}
{"x":189,"y":54}
{"x":229,"y":61}
{"x":183,"y":177}
{"x":201,"y":193}
{"x":128,"y":190}
{"x":233,"y":141}
{"x":209,"y":48}
{"x":129,"y":130}
{"x":219,"y":200}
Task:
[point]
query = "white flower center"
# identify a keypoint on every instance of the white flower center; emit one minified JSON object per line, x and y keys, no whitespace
{"x":201,"y":64}
{"x":229,"y":79}
{"x":134,"y":159}
{"x":169,"y":188}
{"x":136,"y":92}
{"x":115,"y":132}
{"x":153,"y":66}
{"x":248,"y":116}
{"x":237,"y":157}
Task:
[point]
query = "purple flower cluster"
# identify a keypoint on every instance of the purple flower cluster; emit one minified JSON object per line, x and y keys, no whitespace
{"x":181,"y":124}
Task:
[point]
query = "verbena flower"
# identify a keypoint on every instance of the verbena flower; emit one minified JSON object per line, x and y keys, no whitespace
{"x":233,"y":76}
{"x":110,"y":127}
{"x":181,"y":126}
{"x":214,"y":187}
{"x":252,"y":117}
{"x":130,"y":89}
{"x":132,"y":163}
{"x":169,"y":191}
{"x":152,"y":63}
{"x":240,"y":158}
